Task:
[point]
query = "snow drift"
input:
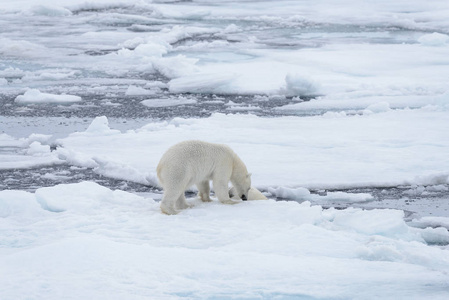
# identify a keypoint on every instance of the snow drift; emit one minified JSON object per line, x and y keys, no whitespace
{"x":118,"y":245}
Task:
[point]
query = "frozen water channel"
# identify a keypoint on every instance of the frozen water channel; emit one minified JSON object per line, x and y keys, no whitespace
{"x":339,"y":110}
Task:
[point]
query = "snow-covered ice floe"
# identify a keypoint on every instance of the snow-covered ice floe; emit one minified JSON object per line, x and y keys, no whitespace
{"x":291,"y":48}
{"x":378,"y":78}
{"x":35,"y":96}
{"x":396,"y":147}
{"x":118,"y":245}
{"x":24,"y":153}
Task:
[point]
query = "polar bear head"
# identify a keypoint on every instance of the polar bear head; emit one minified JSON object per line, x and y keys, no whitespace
{"x":253,"y":194}
{"x":242,"y":186}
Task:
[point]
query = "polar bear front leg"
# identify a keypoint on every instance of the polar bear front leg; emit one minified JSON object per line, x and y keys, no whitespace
{"x":204,"y":191}
{"x":221,"y":191}
{"x":181,"y":203}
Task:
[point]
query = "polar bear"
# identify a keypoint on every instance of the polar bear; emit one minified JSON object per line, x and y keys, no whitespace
{"x":197,"y":162}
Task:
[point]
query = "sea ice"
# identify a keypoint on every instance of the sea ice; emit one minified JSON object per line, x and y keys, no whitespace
{"x":309,"y":152}
{"x":115,"y":244}
{"x":303,"y":194}
{"x":26,"y":152}
{"x":138,"y":91}
{"x":36,"y":96}
{"x":168,"y":102}
{"x":299,"y":85}
{"x":434,"y":39}
{"x":378,"y":71}
{"x":48,"y":10}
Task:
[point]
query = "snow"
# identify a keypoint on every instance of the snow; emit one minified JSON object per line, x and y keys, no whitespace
{"x":303,"y":194}
{"x":36,"y":96}
{"x":396,"y":147}
{"x":26,"y":153}
{"x":202,"y":83}
{"x":425,"y":222}
{"x":434,"y":39}
{"x":377,"y":108}
{"x":168,"y":102}
{"x":365,"y":100}
{"x":137,"y":91}
{"x":48,"y":10}
{"x":115,"y":244}
{"x":100,"y":127}
{"x":298,"y":85}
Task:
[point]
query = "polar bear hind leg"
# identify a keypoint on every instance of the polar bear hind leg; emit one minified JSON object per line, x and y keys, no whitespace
{"x":204,"y":191}
{"x":170,"y":200}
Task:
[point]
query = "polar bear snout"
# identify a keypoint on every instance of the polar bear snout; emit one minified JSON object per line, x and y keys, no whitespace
{"x":232,"y":194}
{"x":253,"y":194}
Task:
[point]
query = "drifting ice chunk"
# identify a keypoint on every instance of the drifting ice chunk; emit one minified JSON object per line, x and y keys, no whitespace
{"x":41,"y":138}
{"x":425,"y":222}
{"x":137,"y":91}
{"x":287,"y":193}
{"x":303,"y":194}
{"x":377,"y":108}
{"x":202,"y":83}
{"x":167,"y":102}
{"x":298,"y":85}
{"x":434,"y":39}
{"x":48,"y":10}
{"x":37,"y":149}
{"x":35,"y":96}
{"x":100,"y":125}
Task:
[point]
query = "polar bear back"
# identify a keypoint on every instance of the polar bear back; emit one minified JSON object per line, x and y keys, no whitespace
{"x":190,"y":162}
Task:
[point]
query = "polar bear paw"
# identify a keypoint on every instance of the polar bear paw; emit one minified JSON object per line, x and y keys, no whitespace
{"x":185,"y":205}
{"x":168,"y":210}
{"x":205,"y":199}
{"x":229,"y":201}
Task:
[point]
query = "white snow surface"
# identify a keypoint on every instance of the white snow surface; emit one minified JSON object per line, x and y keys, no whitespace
{"x":24,"y":153}
{"x":173,"y":101}
{"x":379,"y":73}
{"x":115,"y":245}
{"x":36,"y":96}
{"x":386,"y":50}
{"x":387,"y":149}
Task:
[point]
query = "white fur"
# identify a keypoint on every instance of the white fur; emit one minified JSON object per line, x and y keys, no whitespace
{"x":197,"y":162}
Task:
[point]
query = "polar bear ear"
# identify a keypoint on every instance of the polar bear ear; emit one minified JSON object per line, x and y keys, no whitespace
{"x":248,"y":175}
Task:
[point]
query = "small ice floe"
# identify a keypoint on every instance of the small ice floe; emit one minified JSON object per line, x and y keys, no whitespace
{"x":138,"y":91}
{"x":168,"y":102}
{"x":243,"y":108}
{"x":299,"y":85}
{"x":434,"y":39}
{"x":303,"y":194}
{"x":34,"y":96}
{"x":379,"y":107}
